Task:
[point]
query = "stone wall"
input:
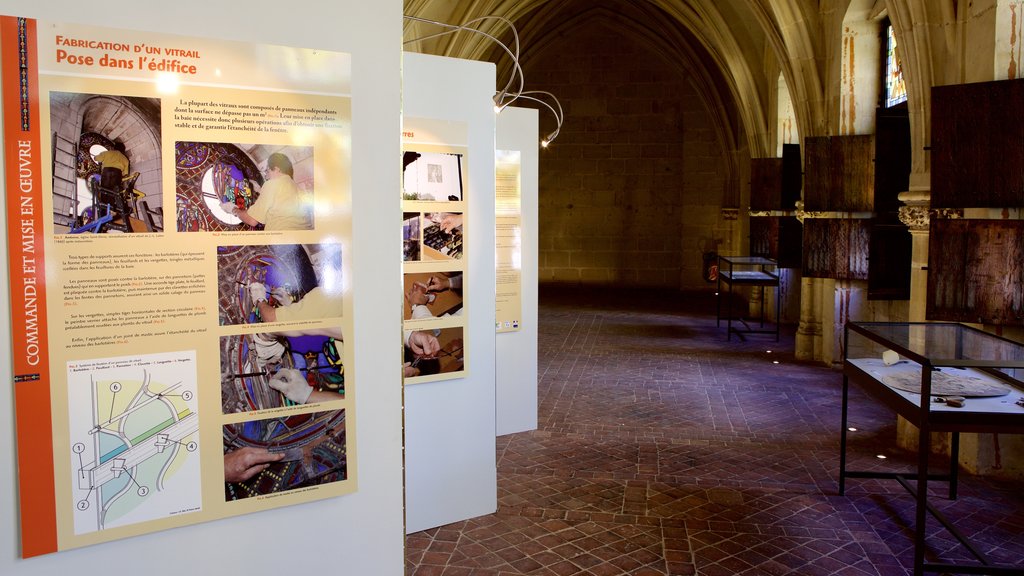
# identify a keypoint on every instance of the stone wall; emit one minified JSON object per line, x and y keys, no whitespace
{"x":632,"y":189}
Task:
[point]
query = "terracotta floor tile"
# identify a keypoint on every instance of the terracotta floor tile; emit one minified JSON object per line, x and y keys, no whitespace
{"x":663,"y":449}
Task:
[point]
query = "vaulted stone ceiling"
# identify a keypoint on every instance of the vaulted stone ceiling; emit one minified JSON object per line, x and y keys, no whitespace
{"x":736,"y":49}
{"x":731,"y":50}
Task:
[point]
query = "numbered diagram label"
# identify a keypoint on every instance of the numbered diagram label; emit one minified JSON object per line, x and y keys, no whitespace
{"x":134,"y":438}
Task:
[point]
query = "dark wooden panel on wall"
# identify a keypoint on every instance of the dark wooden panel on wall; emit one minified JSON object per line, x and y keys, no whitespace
{"x":775,"y":183}
{"x":839,"y":174}
{"x":766,"y":183}
{"x":889,"y":257}
{"x":976,"y":271}
{"x":792,"y":176}
{"x":892,"y":160}
{"x":977,"y":156}
{"x":835,"y":248}
{"x":779,"y":238}
{"x":791,"y":241}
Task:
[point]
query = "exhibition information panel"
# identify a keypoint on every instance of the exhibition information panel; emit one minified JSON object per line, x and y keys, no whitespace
{"x":179,"y":246}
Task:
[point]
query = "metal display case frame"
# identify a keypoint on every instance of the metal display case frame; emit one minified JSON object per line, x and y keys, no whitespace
{"x":754,"y":271}
{"x":959,"y":351}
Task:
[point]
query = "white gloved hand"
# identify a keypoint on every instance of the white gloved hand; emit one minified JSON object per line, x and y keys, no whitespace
{"x":268,"y":349}
{"x":290,"y":382}
{"x":284,"y":298}
{"x":228,"y":207}
{"x":258,"y":292}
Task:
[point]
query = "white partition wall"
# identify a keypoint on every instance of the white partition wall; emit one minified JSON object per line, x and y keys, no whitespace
{"x":360,"y":533}
{"x":516,"y":352}
{"x":449,"y":424}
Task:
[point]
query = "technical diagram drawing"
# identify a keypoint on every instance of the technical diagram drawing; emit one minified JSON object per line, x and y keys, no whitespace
{"x":134,"y":431}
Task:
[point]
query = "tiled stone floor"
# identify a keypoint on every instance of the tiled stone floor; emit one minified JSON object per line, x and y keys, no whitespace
{"x":663,"y":449}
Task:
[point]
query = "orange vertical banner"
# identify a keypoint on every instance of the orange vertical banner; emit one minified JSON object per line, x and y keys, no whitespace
{"x":25,"y":243}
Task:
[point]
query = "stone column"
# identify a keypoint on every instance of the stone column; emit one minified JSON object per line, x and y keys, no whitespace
{"x":807,"y":345}
{"x":915,"y":214}
{"x":808,"y":331}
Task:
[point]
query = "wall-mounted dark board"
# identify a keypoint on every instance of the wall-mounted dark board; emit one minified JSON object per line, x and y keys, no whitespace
{"x":766,"y":183}
{"x":976,"y":271}
{"x":889,"y":261}
{"x":892,"y":160}
{"x":977,"y":145}
{"x":839,"y":173}
{"x":836,"y":248}
{"x":778,"y":238}
{"x":775,"y":183}
{"x":792,"y":176}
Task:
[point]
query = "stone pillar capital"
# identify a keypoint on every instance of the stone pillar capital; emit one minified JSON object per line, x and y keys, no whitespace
{"x":917,"y":211}
{"x":802,"y":214}
{"x":914,"y":217}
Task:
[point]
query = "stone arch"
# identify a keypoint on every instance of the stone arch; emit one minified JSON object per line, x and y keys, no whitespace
{"x":741,"y":128}
{"x":662,"y":20}
{"x":638,"y":173}
{"x":678,"y":53}
{"x":787,"y":130}
{"x":790,"y":28}
{"x":925,"y":34}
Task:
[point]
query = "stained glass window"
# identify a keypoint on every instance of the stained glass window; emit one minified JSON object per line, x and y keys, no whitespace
{"x":895,"y":85}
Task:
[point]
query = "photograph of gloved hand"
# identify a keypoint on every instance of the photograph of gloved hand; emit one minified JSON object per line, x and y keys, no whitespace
{"x":279,"y":283}
{"x":292,"y":384}
{"x":272,"y":370}
{"x":298,"y":389}
{"x":292,"y":296}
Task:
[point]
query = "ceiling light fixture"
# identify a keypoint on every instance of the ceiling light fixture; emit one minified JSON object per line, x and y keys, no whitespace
{"x":536,"y":96}
{"x":506,"y":96}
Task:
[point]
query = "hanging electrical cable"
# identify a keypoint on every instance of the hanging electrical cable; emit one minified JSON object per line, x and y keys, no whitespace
{"x":506,"y":96}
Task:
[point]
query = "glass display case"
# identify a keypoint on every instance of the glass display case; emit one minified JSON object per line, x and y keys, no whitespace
{"x":753,"y":271}
{"x":941,"y":377}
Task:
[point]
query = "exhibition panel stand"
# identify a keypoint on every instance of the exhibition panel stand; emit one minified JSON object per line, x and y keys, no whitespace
{"x":188,"y":48}
{"x":451,"y":473}
{"x":516,"y":356}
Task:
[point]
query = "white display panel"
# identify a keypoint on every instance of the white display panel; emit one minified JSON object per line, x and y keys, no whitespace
{"x":365,"y":528}
{"x":516,"y":351}
{"x":450,"y":425}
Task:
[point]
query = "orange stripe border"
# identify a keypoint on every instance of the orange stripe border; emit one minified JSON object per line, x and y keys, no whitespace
{"x":25,"y":243}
